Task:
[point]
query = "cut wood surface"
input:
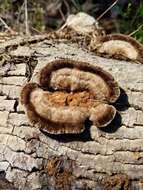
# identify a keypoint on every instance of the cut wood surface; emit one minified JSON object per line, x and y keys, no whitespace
{"x":109,"y":158}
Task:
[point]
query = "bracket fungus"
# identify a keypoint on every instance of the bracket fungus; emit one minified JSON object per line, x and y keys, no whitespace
{"x":68,"y":94}
{"x":81,"y":23}
{"x":79,"y":27}
{"x":119,"y":46}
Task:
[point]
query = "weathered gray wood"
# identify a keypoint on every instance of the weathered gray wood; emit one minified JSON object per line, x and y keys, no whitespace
{"x":27,"y":155}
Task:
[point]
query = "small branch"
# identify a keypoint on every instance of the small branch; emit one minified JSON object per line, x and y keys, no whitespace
{"x":132,"y":33}
{"x":62,"y":15}
{"x":34,"y":29}
{"x":75,"y":4}
{"x":19,"y":13}
{"x":67,"y":6}
{"x":26,"y":18}
{"x":6,"y":26}
{"x":109,"y":8}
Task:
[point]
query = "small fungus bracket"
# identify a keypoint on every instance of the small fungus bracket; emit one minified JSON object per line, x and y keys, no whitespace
{"x":67,"y":94}
{"x":79,"y":28}
{"x":118,"y":46}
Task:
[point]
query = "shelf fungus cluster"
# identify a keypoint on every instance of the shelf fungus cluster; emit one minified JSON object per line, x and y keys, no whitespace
{"x":118,"y":46}
{"x":69,"y":93}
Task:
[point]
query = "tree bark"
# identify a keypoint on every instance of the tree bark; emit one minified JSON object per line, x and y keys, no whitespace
{"x":111,"y":158}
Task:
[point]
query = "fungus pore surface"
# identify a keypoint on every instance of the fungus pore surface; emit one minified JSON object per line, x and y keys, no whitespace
{"x":68,"y":94}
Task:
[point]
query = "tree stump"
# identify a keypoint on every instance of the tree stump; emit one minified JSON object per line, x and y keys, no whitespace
{"x":110,"y":158}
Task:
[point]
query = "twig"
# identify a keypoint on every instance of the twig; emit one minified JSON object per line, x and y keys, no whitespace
{"x":26,"y":18}
{"x":132,"y":33}
{"x":6,"y":26}
{"x":19,"y":13}
{"x":36,"y":30}
{"x":75,"y":4}
{"x":62,"y":15}
{"x":109,"y":8}
{"x":67,"y":6}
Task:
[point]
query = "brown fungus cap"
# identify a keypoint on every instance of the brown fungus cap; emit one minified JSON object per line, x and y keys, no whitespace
{"x":69,"y":93}
{"x":121,"y":46}
{"x":70,"y":75}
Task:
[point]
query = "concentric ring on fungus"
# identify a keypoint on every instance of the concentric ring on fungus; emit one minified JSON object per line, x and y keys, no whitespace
{"x":121,"y":46}
{"x":68,"y":94}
